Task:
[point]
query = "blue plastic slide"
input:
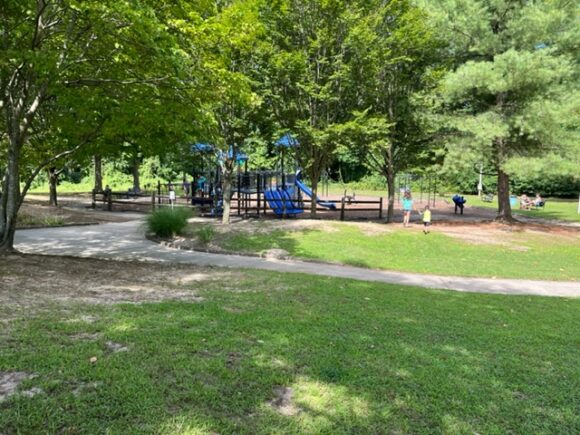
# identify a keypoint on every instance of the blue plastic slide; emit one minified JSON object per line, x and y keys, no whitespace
{"x":281,"y":202}
{"x":304,"y":188}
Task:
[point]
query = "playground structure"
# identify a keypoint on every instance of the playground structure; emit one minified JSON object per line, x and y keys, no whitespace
{"x":262,"y":193}
{"x":254,"y":193}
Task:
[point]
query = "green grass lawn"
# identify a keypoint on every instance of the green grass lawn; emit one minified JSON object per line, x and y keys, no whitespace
{"x":63,"y":188}
{"x":556,"y":208}
{"x":532,"y":256}
{"x":119,"y":184}
{"x":338,"y":189}
{"x":358,"y":357}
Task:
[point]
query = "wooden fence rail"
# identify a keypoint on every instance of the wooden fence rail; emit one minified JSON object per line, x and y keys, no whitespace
{"x":239,"y":204}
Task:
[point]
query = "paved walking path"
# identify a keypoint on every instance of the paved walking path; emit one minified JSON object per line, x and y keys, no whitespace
{"x":125,"y":241}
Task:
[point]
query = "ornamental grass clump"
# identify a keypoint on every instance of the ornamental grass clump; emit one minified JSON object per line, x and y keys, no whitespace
{"x":205,"y":234}
{"x":167,"y":222}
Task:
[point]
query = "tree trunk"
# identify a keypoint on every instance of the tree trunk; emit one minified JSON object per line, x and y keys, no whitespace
{"x":135,"y":172}
{"x":504,"y":211}
{"x":390,"y":175}
{"x":503,"y":197}
{"x":389,"y":165}
{"x":313,"y":204}
{"x":227,"y":190}
{"x":10,"y":199}
{"x":98,"y":160}
{"x":52,"y":183}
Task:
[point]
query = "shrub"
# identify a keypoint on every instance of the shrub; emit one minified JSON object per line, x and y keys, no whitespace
{"x":27,"y":220}
{"x":53,"y":221}
{"x":205,"y":234}
{"x":370,"y":182}
{"x":167,"y":222}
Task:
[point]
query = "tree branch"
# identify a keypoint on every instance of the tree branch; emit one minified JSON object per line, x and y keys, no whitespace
{"x":52,"y":159}
{"x":94,"y":82}
{"x":41,"y":6}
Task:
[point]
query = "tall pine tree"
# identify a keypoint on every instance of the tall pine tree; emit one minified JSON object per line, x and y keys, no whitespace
{"x":514,"y":91}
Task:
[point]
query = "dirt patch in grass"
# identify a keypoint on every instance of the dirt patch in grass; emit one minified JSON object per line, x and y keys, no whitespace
{"x":512,"y":236}
{"x":116,"y":347}
{"x":10,"y":381}
{"x":86,"y":387}
{"x":283,"y":403}
{"x":30,"y":282}
{"x":85,"y":336}
{"x":191,"y":241}
{"x":277,"y":254}
{"x":266,"y":226}
{"x":261,"y":227}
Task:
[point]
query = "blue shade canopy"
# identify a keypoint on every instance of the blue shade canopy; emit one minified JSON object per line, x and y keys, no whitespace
{"x":201,"y":148}
{"x":239,"y":156}
{"x":287,"y":141}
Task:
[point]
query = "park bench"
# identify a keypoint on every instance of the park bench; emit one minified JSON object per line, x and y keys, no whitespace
{"x":459,"y":202}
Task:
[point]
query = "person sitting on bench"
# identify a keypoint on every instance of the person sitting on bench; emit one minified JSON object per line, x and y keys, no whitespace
{"x":525,"y":202}
{"x":459,"y":202}
{"x":538,"y":201}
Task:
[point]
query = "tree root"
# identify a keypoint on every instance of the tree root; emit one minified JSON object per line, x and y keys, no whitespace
{"x":507,"y":220}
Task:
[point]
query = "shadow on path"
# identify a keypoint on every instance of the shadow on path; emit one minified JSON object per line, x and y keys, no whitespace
{"x":126,"y":241}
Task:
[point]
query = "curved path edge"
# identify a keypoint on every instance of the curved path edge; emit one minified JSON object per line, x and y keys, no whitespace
{"x":126,"y":241}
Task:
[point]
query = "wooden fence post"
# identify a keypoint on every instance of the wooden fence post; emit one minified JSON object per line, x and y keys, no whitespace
{"x":110,"y":201}
{"x":342,"y":209}
{"x":94,"y":196}
{"x":258,"y":192}
{"x":239,"y":192}
{"x":153,"y":201}
{"x":381,"y":208}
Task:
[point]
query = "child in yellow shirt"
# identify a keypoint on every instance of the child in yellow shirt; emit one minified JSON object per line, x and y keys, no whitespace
{"x":426,"y":219}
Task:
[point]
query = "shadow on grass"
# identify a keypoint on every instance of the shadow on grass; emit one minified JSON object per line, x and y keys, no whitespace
{"x":257,"y":243}
{"x":357,"y":357}
{"x":292,"y":242}
{"x":544,"y":214}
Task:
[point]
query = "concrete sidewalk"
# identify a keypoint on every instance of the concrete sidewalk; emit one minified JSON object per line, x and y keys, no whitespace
{"x":126,"y":241}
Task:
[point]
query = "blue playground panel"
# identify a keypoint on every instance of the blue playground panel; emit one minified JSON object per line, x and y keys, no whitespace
{"x":281,"y":203}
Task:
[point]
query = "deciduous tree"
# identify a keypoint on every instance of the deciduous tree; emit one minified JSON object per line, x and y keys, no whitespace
{"x":52,"y":52}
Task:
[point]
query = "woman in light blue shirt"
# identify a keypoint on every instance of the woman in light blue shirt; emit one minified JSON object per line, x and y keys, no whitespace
{"x":407,"y":208}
